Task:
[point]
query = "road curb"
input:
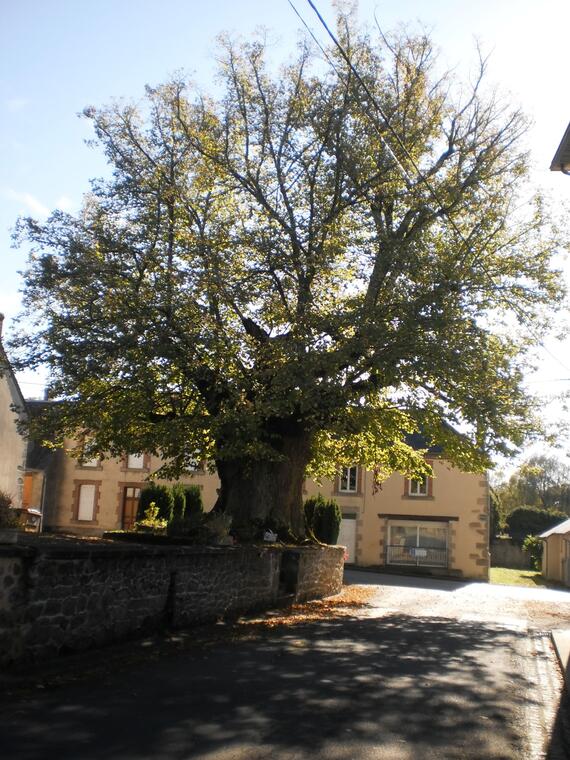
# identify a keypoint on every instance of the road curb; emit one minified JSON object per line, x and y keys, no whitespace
{"x":561,"y":641}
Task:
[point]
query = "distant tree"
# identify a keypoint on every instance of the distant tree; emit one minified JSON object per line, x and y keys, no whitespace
{"x":541,"y":481}
{"x":497,"y":520}
{"x":281,"y":280}
{"x":525,"y":521}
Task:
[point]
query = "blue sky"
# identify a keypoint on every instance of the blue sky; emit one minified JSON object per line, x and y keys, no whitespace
{"x":59,"y":56}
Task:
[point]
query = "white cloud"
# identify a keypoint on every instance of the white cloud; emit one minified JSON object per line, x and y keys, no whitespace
{"x":30,"y":202}
{"x":65,"y":204}
{"x":16,"y":104}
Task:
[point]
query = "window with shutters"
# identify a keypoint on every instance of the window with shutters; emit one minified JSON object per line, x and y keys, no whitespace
{"x":86,"y":502}
{"x":135,"y":462}
{"x":95,"y":462}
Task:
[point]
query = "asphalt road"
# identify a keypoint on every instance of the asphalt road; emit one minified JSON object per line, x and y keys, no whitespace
{"x":425,"y":673}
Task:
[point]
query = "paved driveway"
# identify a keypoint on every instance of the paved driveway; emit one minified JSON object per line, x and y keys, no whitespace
{"x":517,"y":606}
{"x":424,"y":673}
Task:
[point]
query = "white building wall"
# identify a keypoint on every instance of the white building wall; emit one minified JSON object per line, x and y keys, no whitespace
{"x":13,"y":446}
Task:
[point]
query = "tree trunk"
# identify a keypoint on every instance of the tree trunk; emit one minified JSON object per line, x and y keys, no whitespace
{"x":268,"y":490}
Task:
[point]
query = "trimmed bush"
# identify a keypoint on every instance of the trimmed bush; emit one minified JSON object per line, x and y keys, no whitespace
{"x":178,"y":510}
{"x":193,"y":500}
{"x":8,"y":517}
{"x":162,"y":497}
{"x":323,"y":518}
{"x":151,"y":520}
{"x":309,"y":508}
{"x":179,"y":504}
{"x":533,"y":546}
{"x":531,"y":521}
{"x":190,"y":522}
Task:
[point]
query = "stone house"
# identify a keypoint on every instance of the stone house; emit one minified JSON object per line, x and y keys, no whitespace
{"x":439,"y":524}
{"x":13,"y":446}
{"x":556,"y":553}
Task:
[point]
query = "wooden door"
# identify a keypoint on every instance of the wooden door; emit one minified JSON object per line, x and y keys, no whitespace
{"x":131,"y":496}
{"x":28,"y":489}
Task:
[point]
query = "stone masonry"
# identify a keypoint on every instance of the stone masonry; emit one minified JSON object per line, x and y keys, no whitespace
{"x":81,"y":595}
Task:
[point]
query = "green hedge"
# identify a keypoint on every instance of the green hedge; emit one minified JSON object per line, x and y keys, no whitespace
{"x":531,"y":521}
{"x":323,"y":518}
{"x":193,"y":500}
{"x":162,"y":496}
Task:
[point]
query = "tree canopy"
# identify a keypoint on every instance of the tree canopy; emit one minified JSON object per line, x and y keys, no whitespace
{"x":541,"y":481}
{"x":280,"y":280}
{"x":532,"y":521}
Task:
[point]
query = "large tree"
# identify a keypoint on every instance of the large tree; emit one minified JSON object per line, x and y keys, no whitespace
{"x":297,"y":274}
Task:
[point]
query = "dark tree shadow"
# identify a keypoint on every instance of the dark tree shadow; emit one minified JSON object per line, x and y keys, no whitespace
{"x":394,"y":687}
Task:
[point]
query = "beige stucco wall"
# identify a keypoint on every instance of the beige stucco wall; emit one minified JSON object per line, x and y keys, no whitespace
{"x":111,"y":477}
{"x":552,"y":557}
{"x":454,"y":494}
{"x":12,"y":445}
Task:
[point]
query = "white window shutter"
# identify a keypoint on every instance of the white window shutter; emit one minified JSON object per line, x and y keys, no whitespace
{"x":86,"y":510}
{"x":135,"y":461}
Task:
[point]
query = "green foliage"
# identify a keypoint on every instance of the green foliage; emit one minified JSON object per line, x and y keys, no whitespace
{"x":323,"y":518}
{"x":265,"y":264}
{"x":161,"y":496}
{"x":178,"y":509}
{"x":151,"y":520}
{"x":187,"y":510}
{"x":179,"y":501}
{"x":540,"y":481}
{"x":525,"y":521}
{"x":309,"y":509}
{"x":193,"y":498}
{"x":9,"y":518}
{"x":497,"y":520}
{"x":5,"y":500}
{"x":534,"y":547}
{"x":218,"y":525}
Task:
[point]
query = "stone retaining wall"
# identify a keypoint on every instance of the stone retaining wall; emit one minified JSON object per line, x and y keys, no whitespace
{"x":56,"y":598}
{"x":506,"y":554}
{"x":320,"y":572}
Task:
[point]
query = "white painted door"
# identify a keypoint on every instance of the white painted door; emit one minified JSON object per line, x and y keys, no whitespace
{"x":347,"y":537}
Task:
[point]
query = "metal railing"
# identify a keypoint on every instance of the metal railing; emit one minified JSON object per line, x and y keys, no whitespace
{"x":424,"y":556}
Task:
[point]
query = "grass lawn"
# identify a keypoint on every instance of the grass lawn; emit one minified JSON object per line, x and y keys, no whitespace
{"x":509,"y":577}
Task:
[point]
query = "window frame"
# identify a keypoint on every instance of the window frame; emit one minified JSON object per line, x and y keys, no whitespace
{"x":424,"y":491}
{"x":78,"y":485}
{"x":145,"y":459}
{"x":90,"y":464}
{"x":424,"y":494}
{"x":348,"y":479}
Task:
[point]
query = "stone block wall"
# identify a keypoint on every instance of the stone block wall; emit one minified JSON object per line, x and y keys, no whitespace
{"x":54,"y":599}
{"x":504,"y":553}
{"x":320,"y":572}
{"x":213,"y":583}
{"x":12,"y":606}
